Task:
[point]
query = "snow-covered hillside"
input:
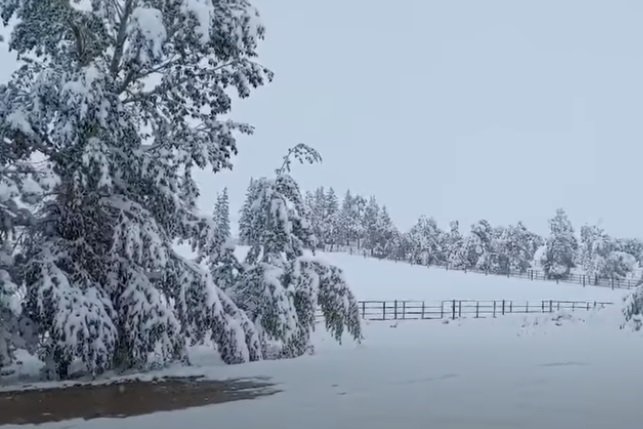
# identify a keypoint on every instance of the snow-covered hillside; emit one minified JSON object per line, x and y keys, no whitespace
{"x":373,"y":279}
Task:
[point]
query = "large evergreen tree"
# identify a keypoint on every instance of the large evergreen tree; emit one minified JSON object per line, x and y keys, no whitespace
{"x":124,"y":99}
{"x":331,"y":220}
{"x":593,"y":250}
{"x":221,"y":215}
{"x":426,"y":242}
{"x":281,"y":286}
{"x":370,"y":225}
{"x":246,"y":234}
{"x":561,"y":247}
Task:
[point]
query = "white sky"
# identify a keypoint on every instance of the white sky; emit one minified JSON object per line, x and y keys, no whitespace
{"x":462,"y":109}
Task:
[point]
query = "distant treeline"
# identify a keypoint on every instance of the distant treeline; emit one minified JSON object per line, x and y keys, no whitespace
{"x":362,"y":224}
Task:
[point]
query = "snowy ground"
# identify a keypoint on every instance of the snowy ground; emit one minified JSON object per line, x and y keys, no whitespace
{"x":513,"y":372}
{"x":373,"y":279}
{"x":469,"y":374}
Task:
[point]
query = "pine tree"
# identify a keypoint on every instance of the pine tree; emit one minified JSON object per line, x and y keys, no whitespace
{"x":453,"y":244}
{"x":385,"y":232}
{"x":593,"y":250}
{"x":280,"y":286}
{"x":350,"y":219}
{"x":481,"y":255}
{"x":103,"y":264}
{"x":221,"y":214}
{"x":331,"y":219}
{"x":370,"y":225}
{"x":246,"y":233}
{"x":426,"y":242}
{"x":561,"y":247}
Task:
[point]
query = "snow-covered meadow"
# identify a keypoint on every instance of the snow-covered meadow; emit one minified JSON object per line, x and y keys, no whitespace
{"x":512,"y":372}
{"x":554,"y":370}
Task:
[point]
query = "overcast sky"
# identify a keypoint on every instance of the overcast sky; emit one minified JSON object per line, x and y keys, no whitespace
{"x":461,"y":109}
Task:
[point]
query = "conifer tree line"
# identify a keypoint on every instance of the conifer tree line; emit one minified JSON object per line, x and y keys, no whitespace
{"x":114,"y":105}
{"x":362,"y":225}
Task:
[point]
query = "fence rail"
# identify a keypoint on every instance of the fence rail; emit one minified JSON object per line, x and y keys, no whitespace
{"x":455,"y":309}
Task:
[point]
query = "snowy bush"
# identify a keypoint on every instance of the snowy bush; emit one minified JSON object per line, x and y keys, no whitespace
{"x":633,"y":309}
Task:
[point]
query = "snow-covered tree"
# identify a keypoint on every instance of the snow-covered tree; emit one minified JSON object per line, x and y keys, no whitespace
{"x":633,"y":309}
{"x":22,"y":186}
{"x":633,"y":246}
{"x":315,"y":203}
{"x":281,"y":286}
{"x":221,"y":214}
{"x":618,"y":265}
{"x":513,"y":248}
{"x":350,"y":219}
{"x":370,"y":225}
{"x":482,"y":252}
{"x":593,"y":250}
{"x":561,"y":247}
{"x":124,"y":99}
{"x":246,"y":233}
{"x":452,"y":243}
{"x":426,"y":242}
{"x":331,"y":219}
{"x":384,"y":234}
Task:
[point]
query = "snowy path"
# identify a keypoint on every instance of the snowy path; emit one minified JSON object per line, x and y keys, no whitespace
{"x":468,"y":374}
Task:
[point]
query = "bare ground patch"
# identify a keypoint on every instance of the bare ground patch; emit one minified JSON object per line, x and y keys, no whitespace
{"x":124,"y":399}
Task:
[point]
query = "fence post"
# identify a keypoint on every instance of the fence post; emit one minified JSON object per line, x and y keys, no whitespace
{"x":441,"y":309}
{"x":403,"y":310}
{"x":503,"y":307}
{"x":395,"y":310}
{"x":383,"y":310}
{"x":558,"y":305}
{"x":422,"y":316}
{"x":511,"y":306}
{"x":460,"y":309}
{"x":453,"y":308}
{"x":583,"y":280}
{"x":573,"y":305}
{"x":527,"y":307}
{"x":551,"y":310}
{"x":494,"y":308}
{"x":543,"y":305}
{"x":594,"y":304}
{"x":477,"y":309}
{"x":587,"y":306}
{"x":363,"y":309}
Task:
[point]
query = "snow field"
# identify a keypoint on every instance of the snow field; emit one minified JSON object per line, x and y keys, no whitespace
{"x":373,"y":279}
{"x":513,"y":372}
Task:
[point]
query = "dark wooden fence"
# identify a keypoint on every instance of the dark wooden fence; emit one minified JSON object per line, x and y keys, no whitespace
{"x":454,"y":309}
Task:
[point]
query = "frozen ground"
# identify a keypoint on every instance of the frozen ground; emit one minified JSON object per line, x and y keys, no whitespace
{"x":513,"y":372}
{"x":510,"y":372}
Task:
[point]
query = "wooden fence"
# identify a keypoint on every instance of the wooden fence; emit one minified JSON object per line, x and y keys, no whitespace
{"x":455,"y":309}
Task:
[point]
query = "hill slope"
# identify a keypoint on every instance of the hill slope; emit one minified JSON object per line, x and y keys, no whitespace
{"x":374,"y":279}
